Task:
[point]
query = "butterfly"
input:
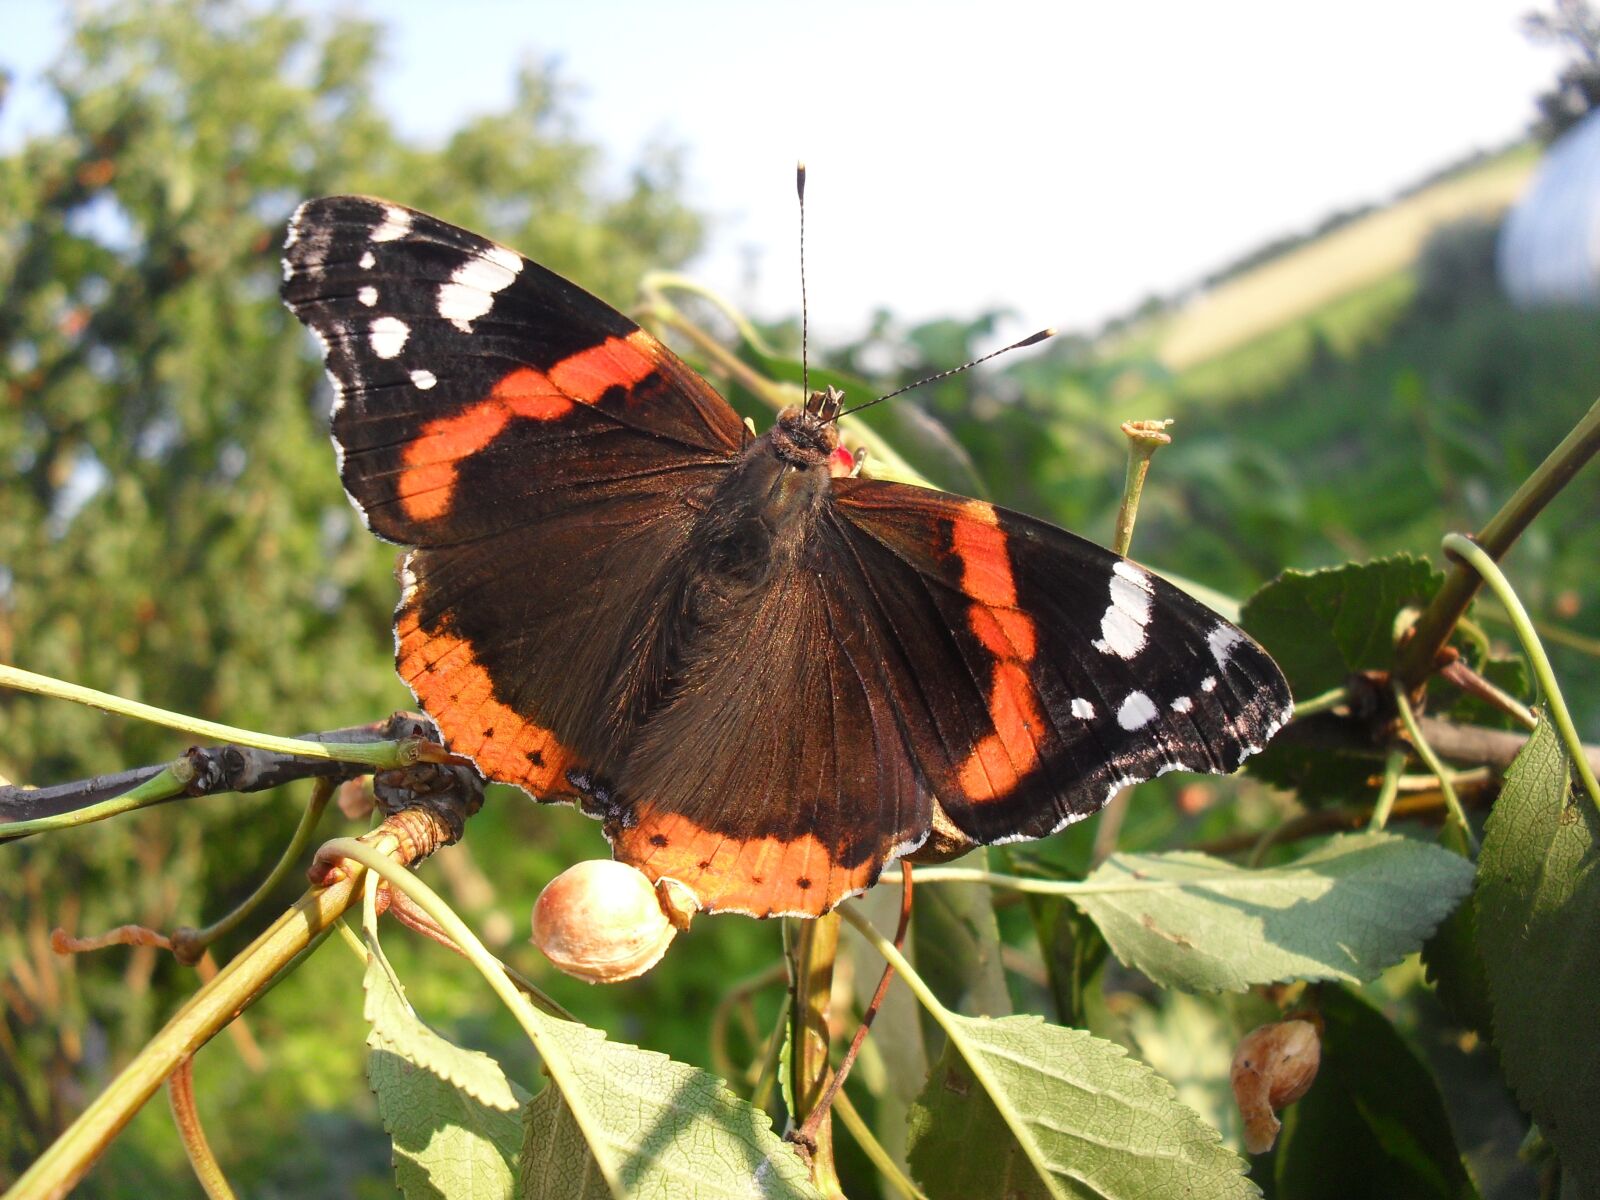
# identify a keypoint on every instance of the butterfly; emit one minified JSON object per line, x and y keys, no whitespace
{"x":768,"y":679}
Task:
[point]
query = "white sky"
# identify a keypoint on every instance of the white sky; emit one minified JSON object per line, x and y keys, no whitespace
{"x":1061,"y":160}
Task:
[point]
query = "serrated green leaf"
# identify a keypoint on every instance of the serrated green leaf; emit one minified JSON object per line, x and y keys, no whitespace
{"x":451,"y":1113}
{"x":1538,"y":903}
{"x":1373,"y":1123}
{"x":1189,"y":1041}
{"x":669,"y":1129}
{"x":1018,"y":1109}
{"x":1321,"y":626}
{"x":1347,"y":910}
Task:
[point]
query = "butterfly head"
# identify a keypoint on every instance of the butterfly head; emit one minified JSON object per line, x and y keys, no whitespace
{"x":805,"y":434}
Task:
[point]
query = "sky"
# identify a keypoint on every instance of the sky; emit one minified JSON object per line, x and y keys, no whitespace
{"x":1056,"y":160}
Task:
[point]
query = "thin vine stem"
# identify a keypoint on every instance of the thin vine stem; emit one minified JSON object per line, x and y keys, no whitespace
{"x":189,"y":943}
{"x":378,"y":755}
{"x":238,"y":985}
{"x":873,"y":1149}
{"x":1323,"y":702}
{"x":1475,"y":557}
{"x":1416,"y":660}
{"x":1445,"y":776}
{"x":1393,"y":765}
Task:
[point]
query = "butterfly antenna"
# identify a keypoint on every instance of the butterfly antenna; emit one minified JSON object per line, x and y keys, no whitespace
{"x":1030,"y":340}
{"x":805,"y":362}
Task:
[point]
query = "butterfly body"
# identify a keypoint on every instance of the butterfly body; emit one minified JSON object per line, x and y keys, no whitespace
{"x":767,"y":679}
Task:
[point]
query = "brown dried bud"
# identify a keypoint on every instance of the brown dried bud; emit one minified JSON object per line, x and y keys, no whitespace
{"x":1272,"y":1068}
{"x":601,"y":921}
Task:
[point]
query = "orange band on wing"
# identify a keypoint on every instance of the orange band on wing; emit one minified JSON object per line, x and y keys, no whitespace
{"x":428,"y":482}
{"x":759,"y":876}
{"x":1000,"y":759}
{"x":456,"y":691}
{"x":980,"y":544}
{"x":616,"y":362}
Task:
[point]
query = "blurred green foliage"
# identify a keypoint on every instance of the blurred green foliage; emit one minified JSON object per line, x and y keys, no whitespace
{"x":171,"y":528}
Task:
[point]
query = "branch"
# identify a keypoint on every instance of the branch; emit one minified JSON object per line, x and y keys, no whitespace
{"x":1418,"y":656}
{"x":1474,"y":745}
{"x":216,"y":769}
{"x":405,"y":837}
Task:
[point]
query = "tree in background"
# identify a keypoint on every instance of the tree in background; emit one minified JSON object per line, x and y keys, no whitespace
{"x":1574,"y":26}
{"x":173,"y":526}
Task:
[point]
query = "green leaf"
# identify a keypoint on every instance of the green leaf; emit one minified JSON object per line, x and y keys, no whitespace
{"x":1321,"y":626}
{"x":1451,"y":958}
{"x":1018,"y":1109}
{"x":668,"y":1128}
{"x":450,"y":1113}
{"x":1373,"y":1123}
{"x":1539,"y":932}
{"x":1190,"y":1040}
{"x":1347,"y":910}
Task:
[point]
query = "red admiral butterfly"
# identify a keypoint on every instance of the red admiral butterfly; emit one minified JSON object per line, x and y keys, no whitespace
{"x":767,"y":679}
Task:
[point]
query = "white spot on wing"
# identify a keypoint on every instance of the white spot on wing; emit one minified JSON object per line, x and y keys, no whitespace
{"x":368,"y":260}
{"x":423,"y":380}
{"x":1182,"y":704}
{"x":1222,"y":640}
{"x":396,"y":224}
{"x":388,"y":336}
{"x":472,"y":287}
{"x":1122,"y":628}
{"x":1136,"y":712}
{"x":368,"y":296}
{"x":1208,"y":684}
{"x":1082,"y":709}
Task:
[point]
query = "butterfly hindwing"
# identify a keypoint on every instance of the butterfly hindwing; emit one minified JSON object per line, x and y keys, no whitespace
{"x":777,"y":779}
{"x":1037,"y":672}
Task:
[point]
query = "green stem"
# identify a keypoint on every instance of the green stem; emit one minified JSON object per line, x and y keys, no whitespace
{"x":378,"y":755}
{"x":1416,"y":659}
{"x":556,"y":1060}
{"x":767,"y":1080}
{"x":189,"y":944}
{"x":1144,"y":439}
{"x":1433,"y":763}
{"x":873,"y":1149}
{"x":1393,"y":765}
{"x":170,"y":782}
{"x":1325,"y":702}
{"x":213,"y":1007}
{"x":1479,"y":561}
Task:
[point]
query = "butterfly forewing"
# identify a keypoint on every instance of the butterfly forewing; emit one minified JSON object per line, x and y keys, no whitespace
{"x":1037,"y":672}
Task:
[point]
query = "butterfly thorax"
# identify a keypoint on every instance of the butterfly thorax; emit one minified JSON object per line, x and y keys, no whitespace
{"x":760,"y":517}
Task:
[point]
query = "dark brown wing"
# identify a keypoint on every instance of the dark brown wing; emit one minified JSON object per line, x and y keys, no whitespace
{"x":1037,"y":673}
{"x":778,"y":779}
{"x":539,"y":448}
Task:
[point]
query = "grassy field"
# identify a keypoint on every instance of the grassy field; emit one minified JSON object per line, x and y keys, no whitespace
{"x":1353,"y":260}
